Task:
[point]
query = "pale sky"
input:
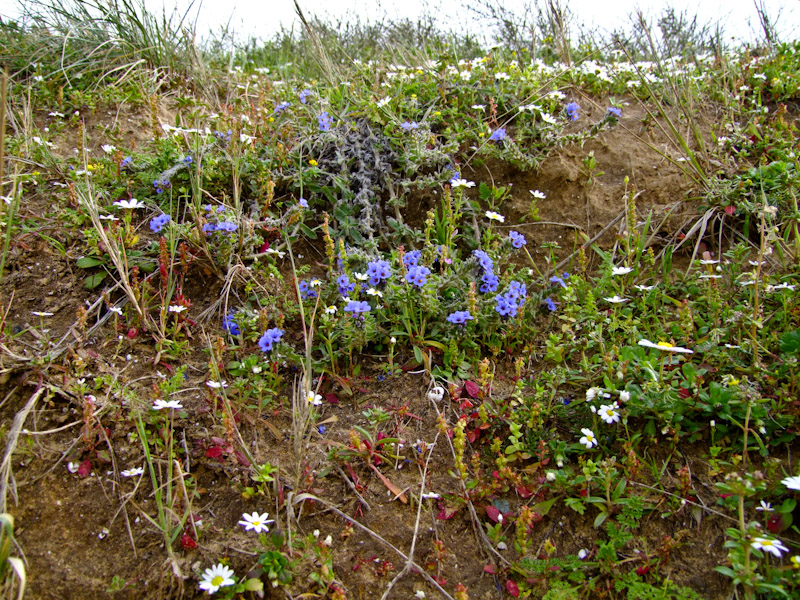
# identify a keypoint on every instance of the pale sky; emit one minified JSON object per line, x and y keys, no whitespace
{"x":263,"y":17}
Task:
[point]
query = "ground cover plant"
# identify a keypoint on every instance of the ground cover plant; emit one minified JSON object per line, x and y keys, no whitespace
{"x":373,"y":311}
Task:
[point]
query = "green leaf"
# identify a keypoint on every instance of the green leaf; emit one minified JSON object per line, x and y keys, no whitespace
{"x":544,"y":507}
{"x":87,"y":262}
{"x":253,"y":585}
{"x":92,"y":281}
{"x":600,"y":519}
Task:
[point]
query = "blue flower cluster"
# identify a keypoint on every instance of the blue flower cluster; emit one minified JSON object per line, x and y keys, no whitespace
{"x":304,"y":96}
{"x":507,"y":304}
{"x":498,"y":135}
{"x":489,"y":281}
{"x":324,"y":121}
{"x":517,"y":239}
{"x":345,"y":285}
{"x":157,"y":224}
{"x":187,"y":160}
{"x":572,"y":111}
{"x":418,"y":275}
{"x":411,"y":259}
{"x":126,"y":162}
{"x":270,"y":337}
{"x":224,"y":137}
{"x":459,"y":317}
{"x":212,"y":216}
{"x":357,"y":307}
{"x":378,"y":272}
{"x":229,"y":324}
{"x":161,"y":185}
{"x":556,"y":280}
{"x":306,"y":291}
{"x":409,"y":125}
{"x":279,"y":108}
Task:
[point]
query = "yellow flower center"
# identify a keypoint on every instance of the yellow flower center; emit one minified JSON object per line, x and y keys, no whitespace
{"x":664,"y":345}
{"x":217,"y":580}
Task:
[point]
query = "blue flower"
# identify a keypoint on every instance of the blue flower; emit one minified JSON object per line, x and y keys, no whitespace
{"x":483,"y":260}
{"x":227,"y":226}
{"x":498,"y":135}
{"x":378,"y":271}
{"x":126,"y":162}
{"x":551,"y":306}
{"x":230,"y":325}
{"x":459,"y":317}
{"x":411,"y":259}
{"x":613,"y":111}
{"x":357,"y":307}
{"x":281,"y":107}
{"x":572,"y":111}
{"x":209,"y":228}
{"x":324,"y":121}
{"x":556,"y":279}
{"x":517,"y":239}
{"x":505,"y":306}
{"x":188,"y":160}
{"x":304,"y":95}
{"x":516,"y":290}
{"x":490,"y":282}
{"x":345,"y":285}
{"x":270,"y":337}
{"x":418,"y":276}
{"x":303,"y":202}
{"x":306,"y":291}
{"x":409,"y":125}
{"x":157,"y":224}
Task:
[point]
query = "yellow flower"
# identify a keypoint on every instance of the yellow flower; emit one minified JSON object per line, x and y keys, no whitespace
{"x":438,"y":113}
{"x":313,"y":163}
{"x":271,"y":119}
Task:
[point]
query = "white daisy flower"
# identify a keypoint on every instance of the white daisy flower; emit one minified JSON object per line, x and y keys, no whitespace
{"x":774,"y":547}
{"x":490,"y":214}
{"x":588,"y":438}
{"x":256,"y":522}
{"x":171,"y":404}
{"x":216,"y":577}
{"x":665,"y":346}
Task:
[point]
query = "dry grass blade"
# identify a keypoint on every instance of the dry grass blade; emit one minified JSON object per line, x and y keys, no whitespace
{"x":6,"y":477}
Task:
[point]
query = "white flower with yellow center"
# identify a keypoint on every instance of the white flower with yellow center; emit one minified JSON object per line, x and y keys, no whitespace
{"x":216,"y":577}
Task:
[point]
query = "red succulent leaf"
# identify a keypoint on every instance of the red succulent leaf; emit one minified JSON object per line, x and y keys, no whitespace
{"x":512,"y":588}
{"x":85,"y":469}
{"x":187,"y":542}
{"x":472,"y":388}
{"x":493,"y":513}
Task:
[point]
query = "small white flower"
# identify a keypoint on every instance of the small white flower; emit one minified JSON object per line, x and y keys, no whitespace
{"x":393,"y":340}
{"x":454,"y":183}
{"x":792,"y":483}
{"x":216,"y":577}
{"x":420,"y":595}
{"x":478,"y":107}
{"x":583,"y":553}
{"x":624,"y":396}
{"x":783,"y":286}
{"x":314,"y":399}
{"x":330,"y":310}
{"x":361,"y":276}
{"x":131,"y":204}
{"x":171,"y":404}
{"x":111,"y":218}
{"x":430,"y":496}
{"x":72,"y":467}
{"x":765,"y":507}
{"x":550,"y":476}
{"x":707,"y":276}
{"x":609,"y":413}
{"x":176,"y":308}
{"x":256,"y":522}
{"x":108,"y":148}
{"x":774,"y":547}
{"x":588,"y":438}
{"x":591,"y":393}
{"x":502,"y":76}
{"x":709,"y":262}
{"x":374,"y":292}
{"x":490,"y":214}
{"x":644,"y":288}
{"x":116,"y":310}
{"x":328,"y":541}
{"x":39,"y":313}
{"x":436,"y":393}
{"x":384,"y":101}
{"x":132,"y":472}
{"x":665,"y":346}
{"x":215,"y":385}
{"x":538,"y":195}
{"x":615,"y":299}
{"x":621,"y":270}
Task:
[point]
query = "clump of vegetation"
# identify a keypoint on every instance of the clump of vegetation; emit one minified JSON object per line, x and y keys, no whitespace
{"x":435,"y":320}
